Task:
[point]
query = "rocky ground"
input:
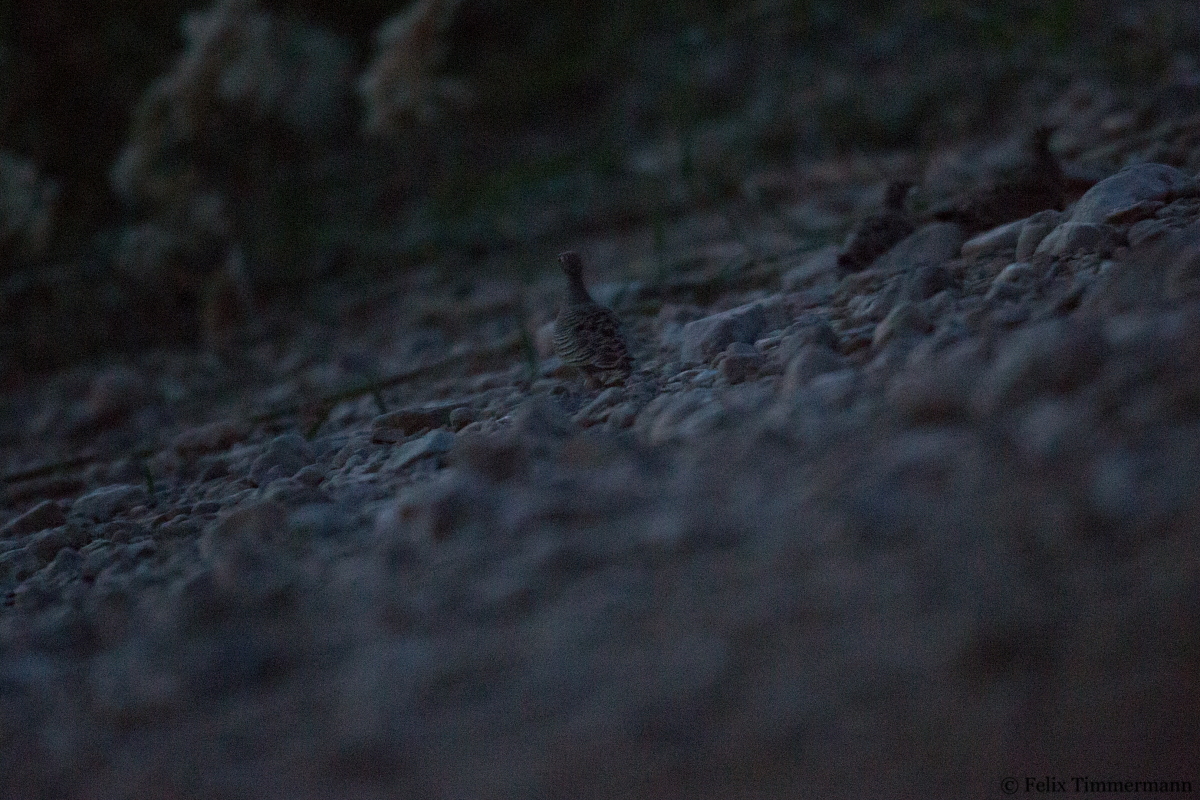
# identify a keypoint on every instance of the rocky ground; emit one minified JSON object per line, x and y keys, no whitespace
{"x":911,"y":529}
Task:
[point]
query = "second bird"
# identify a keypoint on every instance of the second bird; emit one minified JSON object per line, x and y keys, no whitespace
{"x":879,"y":232}
{"x":586,"y":334}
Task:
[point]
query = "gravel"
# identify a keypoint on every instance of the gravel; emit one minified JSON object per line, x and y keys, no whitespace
{"x":958,"y":520}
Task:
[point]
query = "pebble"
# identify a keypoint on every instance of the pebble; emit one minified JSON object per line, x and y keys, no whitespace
{"x":408,"y":421}
{"x":623,"y":415}
{"x":19,"y":564}
{"x":46,"y":514}
{"x":1035,"y":229}
{"x":817,"y":265}
{"x":434,"y":443}
{"x":217,"y":468}
{"x":1148,"y":229}
{"x":1052,"y":356}
{"x":312,"y":475}
{"x":45,"y":545}
{"x":461,"y":417}
{"x":102,"y":505}
{"x":1071,"y":238}
{"x":1133,"y":184}
{"x":541,"y":418}
{"x":935,"y":243}
{"x":938,"y":389}
{"x":706,"y":337}
{"x":286,"y":455}
{"x":284,"y":491}
{"x":1012,"y":281}
{"x":904,"y":319}
{"x":997,"y":240}
{"x":211,"y":438}
{"x":1143,"y":209}
{"x":740,"y":362}
{"x":938,"y":305}
{"x":604,"y":400}
{"x":835,"y":389}
{"x":809,"y":329}
{"x":926,"y":281}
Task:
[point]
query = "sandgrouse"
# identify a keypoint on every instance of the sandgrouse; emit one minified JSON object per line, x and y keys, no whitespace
{"x":587,"y":335}
{"x":1036,"y":185}
{"x":879,"y":232}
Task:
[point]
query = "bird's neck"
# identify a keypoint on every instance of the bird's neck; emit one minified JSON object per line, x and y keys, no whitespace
{"x":577,"y":293}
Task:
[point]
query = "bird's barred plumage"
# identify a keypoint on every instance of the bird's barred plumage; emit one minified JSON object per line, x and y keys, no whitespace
{"x":878,"y":233}
{"x":1037,"y":185}
{"x":587,"y":335}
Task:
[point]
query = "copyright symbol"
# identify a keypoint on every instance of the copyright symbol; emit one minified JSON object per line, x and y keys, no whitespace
{"x":1009,"y":785}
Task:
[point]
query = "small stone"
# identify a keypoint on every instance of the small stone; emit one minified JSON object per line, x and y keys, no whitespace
{"x":1053,"y":356}
{"x":1143,"y":209}
{"x":289,"y":492}
{"x":434,"y":443}
{"x":18,"y":564}
{"x":854,"y":339}
{"x":102,"y":505}
{"x":1071,"y":238}
{"x":809,"y":329}
{"x":935,"y":243}
{"x":623,"y":415}
{"x":1035,"y":229}
{"x":905,"y":318}
{"x":740,"y":362}
{"x":312,"y":475}
{"x":433,"y":511}
{"x":461,"y":417}
{"x":45,"y":514}
{"x":540,"y":418}
{"x":46,"y":544}
{"x":1131,"y":185}
{"x":1012,"y":281}
{"x":211,"y":438}
{"x":938,"y":305}
{"x":1141,"y":232}
{"x":413,"y":419}
{"x":938,"y":388}
{"x":247,"y":526}
{"x":997,"y":240}
{"x":1186,"y":208}
{"x":286,"y":455}
{"x":705,"y":338}
{"x":816,"y":265}
{"x":926,"y":281}
{"x":217,"y":468}
{"x":835,"y":389}
{"x":808,"y":363}
{"x":606,"y":398}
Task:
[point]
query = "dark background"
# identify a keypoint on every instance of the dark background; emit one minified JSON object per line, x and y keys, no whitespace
{"x":562,"y":99}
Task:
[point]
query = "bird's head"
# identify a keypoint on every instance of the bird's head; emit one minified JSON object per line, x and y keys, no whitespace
{"x":571,"y":263}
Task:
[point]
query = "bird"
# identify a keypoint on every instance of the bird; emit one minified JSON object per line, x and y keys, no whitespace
{"x":587,"y":335}
{"x":1036,"y":185}
{"x":879,"y":232}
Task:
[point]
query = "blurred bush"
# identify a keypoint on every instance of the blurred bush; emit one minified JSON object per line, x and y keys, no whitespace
{"x":313,"y":136}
